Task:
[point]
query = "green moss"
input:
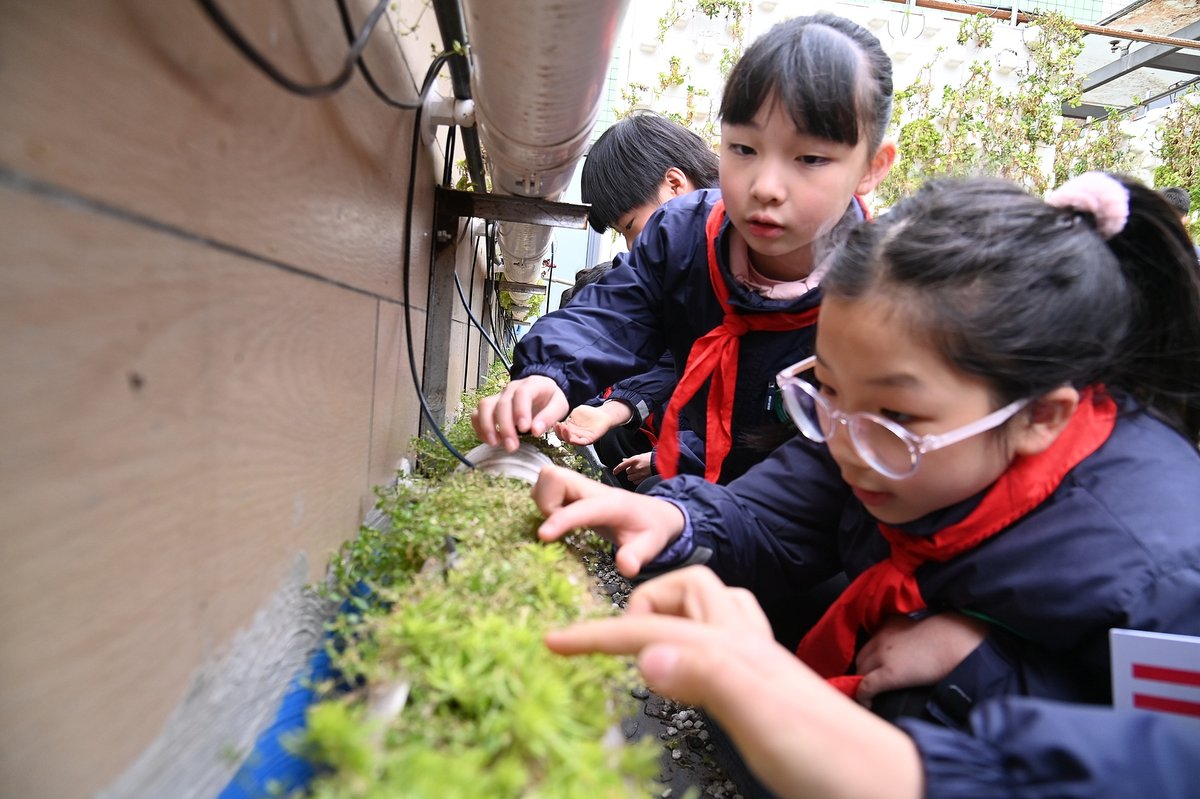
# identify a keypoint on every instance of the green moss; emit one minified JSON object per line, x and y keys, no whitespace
{"x":461,"y":593}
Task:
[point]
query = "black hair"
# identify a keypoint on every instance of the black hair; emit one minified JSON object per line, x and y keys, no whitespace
{"x":1028,"y":296}
{"x":626,"y":165}
{"x":831,"y":75}
{"x":1178,"y":198}
{"x":582,"y":278}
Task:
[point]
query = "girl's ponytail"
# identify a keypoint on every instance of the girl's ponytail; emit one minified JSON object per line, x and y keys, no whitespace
{"x":1161,"y":363}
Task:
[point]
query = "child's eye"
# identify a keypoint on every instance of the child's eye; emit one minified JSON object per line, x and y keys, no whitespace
{"x":813,"y":160}
{"x":898,"y":417}
{"x":741,"y":149}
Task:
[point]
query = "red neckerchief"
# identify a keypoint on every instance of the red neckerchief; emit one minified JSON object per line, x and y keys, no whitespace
{"x":890,"y":587}
{"x":715,"y":355}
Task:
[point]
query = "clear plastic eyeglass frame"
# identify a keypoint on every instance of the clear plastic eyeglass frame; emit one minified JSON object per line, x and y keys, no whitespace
{"x":884,"y":445}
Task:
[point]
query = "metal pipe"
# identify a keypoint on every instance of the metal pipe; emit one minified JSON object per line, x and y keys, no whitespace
{"x":538,"y":73}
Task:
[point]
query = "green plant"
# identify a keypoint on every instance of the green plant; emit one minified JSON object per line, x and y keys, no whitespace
{"x":979,"y":30}
{"x":1101,"y":145}
{"x":432,"y":460}
{"x":635,"y":95}
{"x":673,"y":14}
{"x":1178,"y":150}
{"x":461,"y":594}
{"x":674,"y":76}
{"x":981,"y":127}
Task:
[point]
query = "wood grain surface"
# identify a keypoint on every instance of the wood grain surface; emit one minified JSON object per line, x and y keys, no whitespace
{"x":204,"y":367}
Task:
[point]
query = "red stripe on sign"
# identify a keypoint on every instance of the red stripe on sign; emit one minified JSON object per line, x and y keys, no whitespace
{"x":1166,"y":704}
{"x":1163,"y":674}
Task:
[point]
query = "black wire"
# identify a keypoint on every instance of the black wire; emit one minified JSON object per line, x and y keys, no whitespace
{"x":353,"y":56}
{"x":549,"y":279}
{"x":318,"y":90}
{"x":348,"y":27}
{"x":434,"y":68}
{"x":496,"y":309}
{"x":448,"y":159}
{"x":467,"y":306}
{"x":471,"y":301}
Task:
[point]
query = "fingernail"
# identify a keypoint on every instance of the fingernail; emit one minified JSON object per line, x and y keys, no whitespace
{"x":658,"y":662}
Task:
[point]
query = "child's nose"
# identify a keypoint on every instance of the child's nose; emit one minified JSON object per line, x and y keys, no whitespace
{"x":767,"y":187}
{"x":842,"y":448}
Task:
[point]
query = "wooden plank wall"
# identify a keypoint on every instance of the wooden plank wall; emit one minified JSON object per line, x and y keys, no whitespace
{"x":202,"y":358}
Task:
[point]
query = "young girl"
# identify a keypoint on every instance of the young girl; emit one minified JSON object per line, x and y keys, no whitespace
{"x":1002,"y":421}
{"x":722,"y":280}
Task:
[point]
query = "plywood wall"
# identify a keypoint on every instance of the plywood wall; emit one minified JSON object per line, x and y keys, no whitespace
{"x":203,"y":363}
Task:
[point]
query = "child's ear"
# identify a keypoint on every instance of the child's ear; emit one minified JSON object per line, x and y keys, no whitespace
{"x":1041,"y":422}
{"x":878,"y":167}
{"x":677,"y":182}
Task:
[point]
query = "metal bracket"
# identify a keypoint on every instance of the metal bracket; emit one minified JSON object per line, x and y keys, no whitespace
{"x":450,"y":206}
{"x":505,"y":208}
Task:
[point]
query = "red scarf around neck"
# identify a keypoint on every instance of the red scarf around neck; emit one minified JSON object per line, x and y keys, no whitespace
{"x":890,"y":587}
{"x":715,"y":355}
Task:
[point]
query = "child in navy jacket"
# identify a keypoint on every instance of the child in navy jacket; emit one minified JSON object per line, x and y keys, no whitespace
{"x":635,"y":166}
{"x":1002,"y":422}
{"x":721,"y":279}
{"x":705,"y":644}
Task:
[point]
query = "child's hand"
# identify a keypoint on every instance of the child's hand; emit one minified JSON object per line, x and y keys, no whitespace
{"x":586,"y":424}
{"x":905,"y":654}
{"x":636,"y":468}
{"x":528,"y":405}
{"x":701,"y":642}
{"x":640,"y":526}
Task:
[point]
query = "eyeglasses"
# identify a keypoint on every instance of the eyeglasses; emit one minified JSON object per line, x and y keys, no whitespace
{"x":883,"y":445}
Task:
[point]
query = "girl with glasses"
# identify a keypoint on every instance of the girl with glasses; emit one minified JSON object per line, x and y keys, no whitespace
{"x":1000,"y":420}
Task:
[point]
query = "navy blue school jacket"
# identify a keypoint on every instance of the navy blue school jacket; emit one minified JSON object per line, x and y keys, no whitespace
{"x":1116,"y":545}
{"x":660,"y":299}
{"x":1021,"y":747}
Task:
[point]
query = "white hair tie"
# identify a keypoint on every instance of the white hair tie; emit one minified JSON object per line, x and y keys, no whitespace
{"x":1098,"y":194}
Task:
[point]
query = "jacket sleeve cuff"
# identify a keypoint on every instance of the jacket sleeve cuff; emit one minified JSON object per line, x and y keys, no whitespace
{"x":682,"y":551}
{"x":637,"y":405}
{"x":956,"y":764}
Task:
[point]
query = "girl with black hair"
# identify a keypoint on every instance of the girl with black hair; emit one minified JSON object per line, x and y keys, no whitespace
{"x":726,"y":281}
{"x":999,"y":444}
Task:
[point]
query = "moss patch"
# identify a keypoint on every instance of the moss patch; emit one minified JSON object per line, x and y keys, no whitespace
{"x":447,"y":608}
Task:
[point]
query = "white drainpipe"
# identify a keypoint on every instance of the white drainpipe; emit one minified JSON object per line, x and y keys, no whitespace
{"x":538,"y":73}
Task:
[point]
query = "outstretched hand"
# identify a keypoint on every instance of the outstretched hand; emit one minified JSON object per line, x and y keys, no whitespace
{"x":585,"y":425}
{"x":529,"y":405}
{"x":640,"y":526}
{"x":704,"y":643}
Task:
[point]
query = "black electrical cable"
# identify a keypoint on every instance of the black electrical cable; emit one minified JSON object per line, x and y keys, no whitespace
{"x":471,"y":302}
{"x":479,"y":325}
{"x":347,"y":26}
{"x":447,"y":175}
{"x":434,"y":68}
{"x":448,"y":159}
{"x":353,"y":56}
{"x":549,"y":279}
{"x":318,"y":90}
